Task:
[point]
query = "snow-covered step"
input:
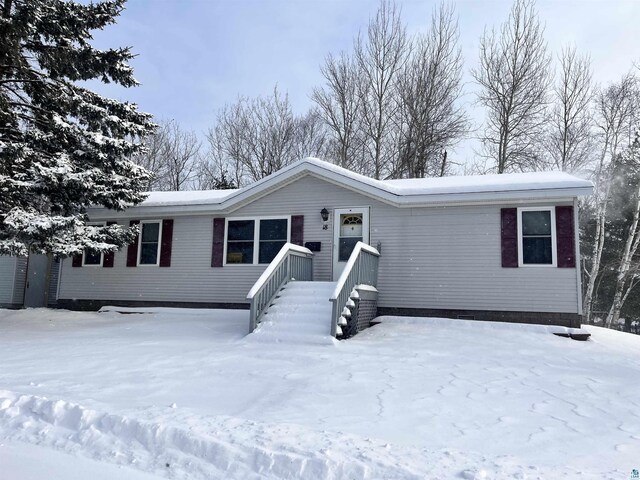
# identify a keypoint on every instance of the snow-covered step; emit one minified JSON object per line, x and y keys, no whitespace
{"x":301,"y":313}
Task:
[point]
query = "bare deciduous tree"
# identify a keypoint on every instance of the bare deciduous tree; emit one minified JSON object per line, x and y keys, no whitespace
{"x":151,"y":158}
{"x":311,"y":139}
{"x":429,"y":88}
{"x":215,"y":170}
{"x":254,"y":138}
{"x":570,"y":144}
{"x":340,"y":105}
{"x":625,"y":278}
{"x":171,"y":156}
{"x":614,"y":115}
{"x":256,"y":135}
{"x":514,"y":79}
{"x":380,"y":56}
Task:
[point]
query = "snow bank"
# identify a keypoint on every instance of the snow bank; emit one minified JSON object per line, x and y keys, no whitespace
{"x":215,"y":448}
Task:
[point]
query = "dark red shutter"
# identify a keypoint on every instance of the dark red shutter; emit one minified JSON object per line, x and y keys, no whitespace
{"x":297,"y":230}
{"x":217,"y":251}
{"x":77,"y":261}
{"x":166,"y":244}
{"x":565,"y":236}
{"x":107,"y":262}
{"x":509,"y":233}
{"x":132,"y":251}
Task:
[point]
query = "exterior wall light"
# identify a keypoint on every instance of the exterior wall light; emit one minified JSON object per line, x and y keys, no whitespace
{"x":324,"y":213}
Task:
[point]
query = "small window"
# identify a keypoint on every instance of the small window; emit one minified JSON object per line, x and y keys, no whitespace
{"x":92,"y":258}
{"x":273,"y":236}
{"x":240,"y":240}
{"x":537,"y":236}
{"x":149,"y":251}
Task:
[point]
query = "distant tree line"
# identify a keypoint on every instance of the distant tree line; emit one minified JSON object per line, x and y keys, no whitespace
{"x":391,"y":107}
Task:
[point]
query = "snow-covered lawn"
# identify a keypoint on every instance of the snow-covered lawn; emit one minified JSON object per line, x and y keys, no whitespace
{"x":184,"y":394}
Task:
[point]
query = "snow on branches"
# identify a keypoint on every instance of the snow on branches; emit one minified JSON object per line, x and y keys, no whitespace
{"x":63,"y":147}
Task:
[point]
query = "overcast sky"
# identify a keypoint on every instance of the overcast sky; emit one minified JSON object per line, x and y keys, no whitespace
{"x":195,"y":56}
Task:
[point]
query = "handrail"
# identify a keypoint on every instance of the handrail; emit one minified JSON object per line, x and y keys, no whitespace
{"x":291,"y":262}
{"x":360,"y":246}
{"x":361,"y":268}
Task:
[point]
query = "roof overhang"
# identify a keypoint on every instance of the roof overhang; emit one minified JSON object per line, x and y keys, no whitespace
{"x":378,"y":190}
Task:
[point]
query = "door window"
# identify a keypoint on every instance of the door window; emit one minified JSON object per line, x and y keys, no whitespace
{"x":350,"y":234}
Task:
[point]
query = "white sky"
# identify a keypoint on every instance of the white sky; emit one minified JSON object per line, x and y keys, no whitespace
{"x":195,"y":56}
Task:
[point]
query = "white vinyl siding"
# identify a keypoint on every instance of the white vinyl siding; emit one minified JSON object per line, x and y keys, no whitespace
{"x":7,"y":279}
{"x":13,"y":275}
{"x":438,"y":257}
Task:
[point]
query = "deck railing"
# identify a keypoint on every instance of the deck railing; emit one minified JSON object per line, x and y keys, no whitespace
{"x":361,"y":269}
{"x":292,"y":262}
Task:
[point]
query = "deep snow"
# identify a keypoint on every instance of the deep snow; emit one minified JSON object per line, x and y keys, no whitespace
{"x":405,"y":399}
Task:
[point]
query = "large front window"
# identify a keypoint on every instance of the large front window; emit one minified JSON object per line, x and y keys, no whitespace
{"x":537,"y":236}
{"x":255,"y":241}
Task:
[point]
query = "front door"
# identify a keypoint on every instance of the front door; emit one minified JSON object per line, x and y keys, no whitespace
{"x":350,"y":226}
{"x":37,"y":282}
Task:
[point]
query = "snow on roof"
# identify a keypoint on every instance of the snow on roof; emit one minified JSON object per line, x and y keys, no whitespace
{"x":402,"y":190}
{"x":486,"y":183}
{"x":156,"y":199}
{"x":506,"y":182}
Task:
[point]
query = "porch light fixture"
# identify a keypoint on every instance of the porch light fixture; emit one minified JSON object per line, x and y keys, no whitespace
{"x":324,"y":213}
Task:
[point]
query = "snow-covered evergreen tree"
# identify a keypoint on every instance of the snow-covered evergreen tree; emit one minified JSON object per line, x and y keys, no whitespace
{"x":62,"y":146}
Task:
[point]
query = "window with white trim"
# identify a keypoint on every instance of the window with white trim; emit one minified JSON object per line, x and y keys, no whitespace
{"x":149,"y":242}
{"x":537,"y":236}
{"x":92,"y":258}
{"x":255,"y":241}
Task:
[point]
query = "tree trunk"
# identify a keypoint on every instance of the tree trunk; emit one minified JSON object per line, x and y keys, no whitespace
{"x":598,"y":246}
{"x":629,"y":251}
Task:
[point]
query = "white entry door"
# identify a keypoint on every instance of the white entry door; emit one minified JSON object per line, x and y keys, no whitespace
{"x":350,"y":226}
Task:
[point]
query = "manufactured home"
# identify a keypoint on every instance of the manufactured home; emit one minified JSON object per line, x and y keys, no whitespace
{"x":493,"y":247}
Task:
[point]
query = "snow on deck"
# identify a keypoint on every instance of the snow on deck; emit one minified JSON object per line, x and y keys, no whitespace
{"x":301,"y":314}
{"x":403,"y":400}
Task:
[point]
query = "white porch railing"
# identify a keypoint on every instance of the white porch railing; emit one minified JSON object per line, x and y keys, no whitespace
{"x":361,"y":269}
{"x":292,"y":262}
